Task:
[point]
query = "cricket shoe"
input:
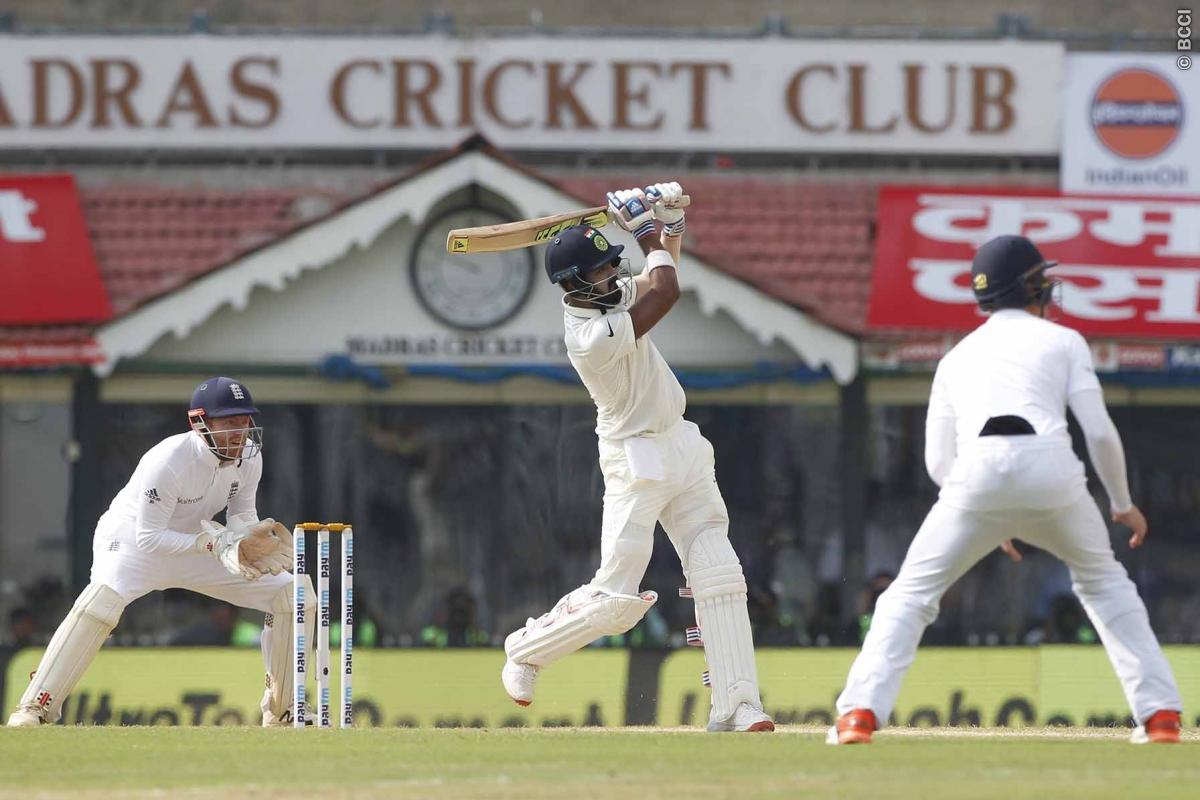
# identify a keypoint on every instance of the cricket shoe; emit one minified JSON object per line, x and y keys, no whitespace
{"x":746,"y":719}
{"x":518,"y":680}
{"x":1162,"y":728}
{"x":853,"y":727}
{"x":29,"y":716}
{"x":285,"y":720}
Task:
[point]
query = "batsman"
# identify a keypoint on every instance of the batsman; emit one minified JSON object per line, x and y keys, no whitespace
{"x":656,"y":465}
{"x":159,"y":533}
{"x":996,"y":442}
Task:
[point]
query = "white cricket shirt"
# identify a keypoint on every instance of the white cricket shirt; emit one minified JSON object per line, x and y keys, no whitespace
{"x":634,"y":390}
{"x":178,"y":483}
{"x":1012,"y":364}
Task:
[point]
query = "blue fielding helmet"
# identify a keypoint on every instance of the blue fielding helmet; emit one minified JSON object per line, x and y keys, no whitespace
{"x":1008,"y":273}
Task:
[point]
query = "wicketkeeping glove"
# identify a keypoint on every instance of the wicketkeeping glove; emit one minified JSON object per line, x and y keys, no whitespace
{"x":240,"y":549}
{"x":630,"y":208}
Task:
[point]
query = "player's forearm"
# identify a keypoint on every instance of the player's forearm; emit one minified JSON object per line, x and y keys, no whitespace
{"x":649,"y":244}
{"x":660,"y":273}
{"x":164,"y":541}
{"x":672,"y":244}
{"x":1104,"y":446}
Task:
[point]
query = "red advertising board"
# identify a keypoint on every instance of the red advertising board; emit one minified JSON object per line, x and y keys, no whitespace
{"x":48,"y":273}
{"x":1129,"y":267}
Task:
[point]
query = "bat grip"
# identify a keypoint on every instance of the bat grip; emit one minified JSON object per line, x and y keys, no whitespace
{"x":653,"y":195}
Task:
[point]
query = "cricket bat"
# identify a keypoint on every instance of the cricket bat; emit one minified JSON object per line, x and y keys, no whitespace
{"x":526,"y":232}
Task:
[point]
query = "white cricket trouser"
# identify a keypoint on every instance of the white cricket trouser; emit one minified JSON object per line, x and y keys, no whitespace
{"x":686,"y":500}
{"x":951,"y":541}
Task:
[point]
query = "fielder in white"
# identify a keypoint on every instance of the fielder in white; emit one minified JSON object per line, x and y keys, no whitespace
{"x":997,"y":445}
{"x":158,"y":533}
{"x":656,"y":465}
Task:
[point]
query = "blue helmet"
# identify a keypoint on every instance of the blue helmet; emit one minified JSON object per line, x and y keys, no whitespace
{"x":581,"y":249}
{"x":1008,"y":273}
{"x":576,"y":250}
{"x":225,"y":397}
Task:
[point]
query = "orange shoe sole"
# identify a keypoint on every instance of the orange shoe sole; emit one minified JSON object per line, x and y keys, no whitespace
{"x":1163,"y":737}
{"x":854,"y":737}
{"x":766,"y":726}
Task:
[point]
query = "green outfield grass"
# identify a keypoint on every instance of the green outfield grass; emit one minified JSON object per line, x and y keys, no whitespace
{"x":638,"y":764}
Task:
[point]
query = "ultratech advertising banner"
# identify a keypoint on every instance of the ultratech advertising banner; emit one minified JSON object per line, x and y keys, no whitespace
{"x":1129,"y":267}
{"x":48,"y":273}
{"x":961,"y":686}
{"x":1130,"y":125}
{"x":405,"y":688}
{"x":550,"y":93}
{"x":1065,"y":685}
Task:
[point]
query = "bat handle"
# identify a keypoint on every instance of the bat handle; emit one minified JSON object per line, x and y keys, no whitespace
{"x":653,"y":194}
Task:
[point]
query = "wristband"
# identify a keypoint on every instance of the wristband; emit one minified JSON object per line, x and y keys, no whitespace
{"x":659,"y":258}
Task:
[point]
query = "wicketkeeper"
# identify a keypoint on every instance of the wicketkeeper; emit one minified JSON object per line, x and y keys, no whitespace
{"x":159,"y":533}
{"x":656,"y":465}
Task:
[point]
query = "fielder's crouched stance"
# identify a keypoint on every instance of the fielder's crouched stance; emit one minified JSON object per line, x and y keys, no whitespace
{"x":656,"y":465}
{"x":996,"y":442}
{"x":158,"y":533}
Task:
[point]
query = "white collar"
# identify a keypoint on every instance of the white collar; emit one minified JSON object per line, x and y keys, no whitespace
{"x":207,"y":456}
{"x":1009,"y":313}
{"x":580,"y":311}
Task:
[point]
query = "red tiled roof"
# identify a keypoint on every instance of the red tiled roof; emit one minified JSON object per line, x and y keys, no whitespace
{"x":808,"y":244}
{"x":149,"y":241}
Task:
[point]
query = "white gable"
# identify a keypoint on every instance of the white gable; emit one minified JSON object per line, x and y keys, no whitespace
{"x":342,"y":286}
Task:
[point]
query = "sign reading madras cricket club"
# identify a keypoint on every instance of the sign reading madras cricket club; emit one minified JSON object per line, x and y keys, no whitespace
{"x":530,"y":92}
{"x":1129,"y":267}
{"x":1130,"y":126}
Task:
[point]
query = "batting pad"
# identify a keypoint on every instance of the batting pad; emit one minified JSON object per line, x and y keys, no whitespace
{"x":576,"y":620}
{"x":719,"y":589}
{"x":72,"y":649}
{"x":277,"y":648}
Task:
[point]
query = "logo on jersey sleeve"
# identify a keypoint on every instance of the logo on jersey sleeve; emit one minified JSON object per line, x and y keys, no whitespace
{"x":152,"y":496}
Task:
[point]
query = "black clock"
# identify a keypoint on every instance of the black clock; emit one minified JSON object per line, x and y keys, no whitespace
{"x":471,"y":291}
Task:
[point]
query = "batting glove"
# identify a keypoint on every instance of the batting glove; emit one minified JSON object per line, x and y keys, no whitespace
{"x":630,"y":208}
{"x":665,"y":198}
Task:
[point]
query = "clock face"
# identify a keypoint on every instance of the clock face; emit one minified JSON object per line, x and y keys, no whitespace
{"x":470,"y":291}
